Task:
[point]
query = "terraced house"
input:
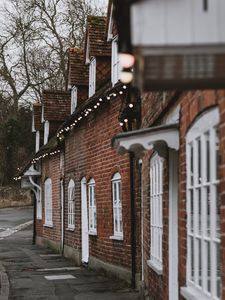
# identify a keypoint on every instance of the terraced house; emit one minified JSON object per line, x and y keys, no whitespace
{"x":82,"y":184}
{"x":132,"y":180}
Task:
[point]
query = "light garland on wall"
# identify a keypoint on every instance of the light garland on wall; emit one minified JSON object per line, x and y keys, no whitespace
{"x":77,"y":120}
{"x":88,"y":110}
{"x":44,"y":155}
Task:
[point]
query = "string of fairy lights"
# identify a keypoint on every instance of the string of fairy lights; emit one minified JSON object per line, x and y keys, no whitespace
{"x":89,"y":110}
{"x":83,"y":114}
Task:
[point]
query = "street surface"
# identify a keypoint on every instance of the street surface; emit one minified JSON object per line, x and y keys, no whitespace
{"x":31,"y":272}
{"x":12,"y":217}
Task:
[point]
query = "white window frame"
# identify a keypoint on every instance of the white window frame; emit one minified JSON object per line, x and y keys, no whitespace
{"x":92,"y":76}
{"x":37,"y":141}
{"x":92,"y":224}
{"x":61,"y":160}
{"x":73,"y":99}
{"x":39,"y":206}
{"x":156,"y":213}
{"x":203,"y":219}
{"x":42,"y":114}
{"x":117,"y":207}
{"x":48,"y":202}
{"x":46,"y":132}
{"x":110,"y":28}
{"x":71,"y":204}
{"x":115,"y":66}
{"x":33,"y":127}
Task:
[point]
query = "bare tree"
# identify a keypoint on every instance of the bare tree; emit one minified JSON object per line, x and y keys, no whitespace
{"x":34,"y":39}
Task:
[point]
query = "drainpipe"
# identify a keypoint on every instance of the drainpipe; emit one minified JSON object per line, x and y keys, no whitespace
{"x":37,"y":193}
{"x":133,"y":221}
{"x":132,"y":216}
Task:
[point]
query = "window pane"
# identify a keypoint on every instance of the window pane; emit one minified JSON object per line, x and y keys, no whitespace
{"x":200,"y":263}
{"x":208,"y":266}
{"x":207,"y":157}
{"x":218,"y":272}
{"x":192,"y":258}
{"x":191,"y":211}
{"x":217,"y":152}
{"x":217,"y":213}
{"x":191,"y":164}
{"x":199,"y":212}
{"x":208,"y":211}
{"x":199,"y":161}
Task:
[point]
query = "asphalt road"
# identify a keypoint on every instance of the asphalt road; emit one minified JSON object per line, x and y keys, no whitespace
{"x":12,"y":217}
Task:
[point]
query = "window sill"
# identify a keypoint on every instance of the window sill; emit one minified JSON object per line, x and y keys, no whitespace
{"x":48,"y":225}
{"x":191,"y":293}
{"x":92,"y":233}
{"x":157,"y":268}
{"x":39,"y":219}
{"x":70,"y":228}
{"x":116,"y":237}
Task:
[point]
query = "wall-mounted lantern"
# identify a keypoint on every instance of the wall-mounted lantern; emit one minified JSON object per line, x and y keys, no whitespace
{"x":177,"y":44}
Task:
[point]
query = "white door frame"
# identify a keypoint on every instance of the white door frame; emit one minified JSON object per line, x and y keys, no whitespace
{"x":173,"y":225}
{"x":84,"y":222}
{"x":62,"y":215}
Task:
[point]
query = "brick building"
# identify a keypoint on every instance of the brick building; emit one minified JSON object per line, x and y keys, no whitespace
{"x":153,"y":215}
{"x":82,"y":185}
{"x":180,"y":147}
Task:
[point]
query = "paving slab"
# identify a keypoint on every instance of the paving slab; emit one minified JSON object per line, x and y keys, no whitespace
{"x":22,"y":262}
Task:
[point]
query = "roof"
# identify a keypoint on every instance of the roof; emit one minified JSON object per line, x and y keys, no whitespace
{"x":52,"y":147}
{"x":95,"y":34}
{"x":77,"y":70}
{"x":103,"y":92}
{"x":37,"y":116}
{"x":57,"y":105}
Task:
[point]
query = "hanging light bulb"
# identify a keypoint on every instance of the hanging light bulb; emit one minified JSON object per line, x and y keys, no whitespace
{"x":126,"y":60}
{"x":126,"y":76}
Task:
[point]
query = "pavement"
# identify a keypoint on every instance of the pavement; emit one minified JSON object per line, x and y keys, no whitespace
{"x":30,"y":272}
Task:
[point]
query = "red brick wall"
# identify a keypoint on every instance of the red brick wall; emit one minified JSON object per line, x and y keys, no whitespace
{"x":89,"y":153}
{"x":50,"y":169}
{"x":155,"y":109}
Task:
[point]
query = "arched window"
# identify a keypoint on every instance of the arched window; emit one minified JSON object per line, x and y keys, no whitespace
{"x":92,"y":207}
{"x":156,"y":212}
{"x":71,"y":204}
{"x":203,"y":207}
{"x":117,"y":206}
{"x":48,"y":202}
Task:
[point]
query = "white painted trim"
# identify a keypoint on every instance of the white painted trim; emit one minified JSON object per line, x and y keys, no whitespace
{"x":48,"y":203}
{"x":92,"y":77}
{"x":42,"y":114}
{"x":73,"y":99}
{"x":115,"y":65}
{"x":37,"y":141}
{"x":84,"y":223}
{"x":202,"y":183}
{"x":158,"y":269}
{"x":62,"y":214}
{"x":46,"y":132}
{"x":33,"y":128}
{"x":110,"y":28}
{"x":71,"y":205}
{"x":116,"y":237}
{"x":139,"y":140}
{"x":87,"y":55}
{"x":173,"y":225}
